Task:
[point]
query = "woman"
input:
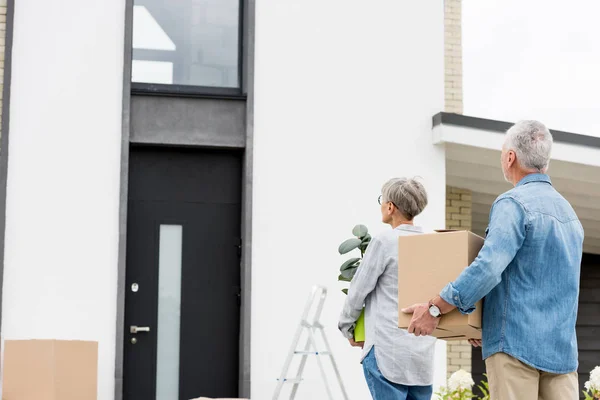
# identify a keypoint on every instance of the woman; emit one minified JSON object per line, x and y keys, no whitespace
{"x":397,"y":365}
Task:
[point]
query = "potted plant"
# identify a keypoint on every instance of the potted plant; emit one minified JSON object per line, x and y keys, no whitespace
{"x":592,"y":387}
{"x":360,"y":241}
{"x":459,"y":387}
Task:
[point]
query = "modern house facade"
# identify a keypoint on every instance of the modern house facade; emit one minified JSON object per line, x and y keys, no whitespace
{"x":177,"y":175}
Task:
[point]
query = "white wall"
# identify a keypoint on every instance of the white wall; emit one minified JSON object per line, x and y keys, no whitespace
{"x":344,"y":97}
{"x":533,"y":59}
{"x":60,"y":270}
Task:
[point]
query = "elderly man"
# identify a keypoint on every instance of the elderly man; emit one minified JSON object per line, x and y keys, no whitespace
{"x":528,"y":270}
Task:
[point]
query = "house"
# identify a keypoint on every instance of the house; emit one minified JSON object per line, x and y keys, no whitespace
{"x":176,"y":175}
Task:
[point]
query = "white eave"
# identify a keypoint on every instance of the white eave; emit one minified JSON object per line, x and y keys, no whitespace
{"x":473,"y":162}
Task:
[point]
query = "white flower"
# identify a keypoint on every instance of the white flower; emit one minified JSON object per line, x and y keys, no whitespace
{"x":595,"y":379}
{"x":460,"y":380}
{"x":587,"y":386}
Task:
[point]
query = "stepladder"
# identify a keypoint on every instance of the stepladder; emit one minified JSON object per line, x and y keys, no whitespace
{"x":311,"y":328}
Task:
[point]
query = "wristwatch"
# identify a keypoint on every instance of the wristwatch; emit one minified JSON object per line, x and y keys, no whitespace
{"x":434,"y":310}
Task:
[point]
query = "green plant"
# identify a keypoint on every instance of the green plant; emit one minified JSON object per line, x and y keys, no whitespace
{"x":485,"y":389}
{"x":447,"y":394}
{"x":592,"y":387}
{"x":360,"y":241}
{"x":460,"y":386}
{"x":587,"y":395}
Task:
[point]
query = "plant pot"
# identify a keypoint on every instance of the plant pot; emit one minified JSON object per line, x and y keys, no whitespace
{"x":359,"y":329}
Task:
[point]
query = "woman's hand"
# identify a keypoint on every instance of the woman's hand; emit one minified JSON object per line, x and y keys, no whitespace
{"x":356,"y":344}
{"x":475,"y":342}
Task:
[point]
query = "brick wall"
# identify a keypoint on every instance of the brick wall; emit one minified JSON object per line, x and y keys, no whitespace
{"x":453,"y":95}
{"x":458,"y":201}
{"x":458,"y":208}
{"x":2,"y":47}
{"x":458,"y":216}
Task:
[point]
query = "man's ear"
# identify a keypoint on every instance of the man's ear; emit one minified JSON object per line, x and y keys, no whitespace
{"x":511,"y":158}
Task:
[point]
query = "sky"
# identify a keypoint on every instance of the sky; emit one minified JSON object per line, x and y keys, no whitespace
{"x":533,"y":59}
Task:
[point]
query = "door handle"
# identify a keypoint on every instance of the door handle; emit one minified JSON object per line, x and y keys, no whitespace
{"x":138,"y":329}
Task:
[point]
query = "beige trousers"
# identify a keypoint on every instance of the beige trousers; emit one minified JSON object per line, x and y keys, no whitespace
{"x":510,"y":379}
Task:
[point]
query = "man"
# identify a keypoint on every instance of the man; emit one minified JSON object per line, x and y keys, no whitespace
{"x":528,"y":270}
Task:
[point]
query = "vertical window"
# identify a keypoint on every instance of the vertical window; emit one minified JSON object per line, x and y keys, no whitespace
{"x":169,"y":312}
{"x":186,"y":42}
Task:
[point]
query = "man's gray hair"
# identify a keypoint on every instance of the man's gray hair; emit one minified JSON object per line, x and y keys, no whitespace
{"x":532,"y":142}
{"x":408,"y":195}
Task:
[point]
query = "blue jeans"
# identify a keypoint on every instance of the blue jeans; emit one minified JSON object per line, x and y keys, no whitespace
{"x":382,"y":389}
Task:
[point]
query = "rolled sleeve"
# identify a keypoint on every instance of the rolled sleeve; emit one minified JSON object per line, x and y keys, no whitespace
{"x":452,"y":296}
{"x":506,"y":234}
{"x":347,"y":329}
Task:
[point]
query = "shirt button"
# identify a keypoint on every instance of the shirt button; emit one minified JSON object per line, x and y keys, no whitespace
{"x":455,"y":297}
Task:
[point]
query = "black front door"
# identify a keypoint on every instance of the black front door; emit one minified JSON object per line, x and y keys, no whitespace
{"x":183,"y":277}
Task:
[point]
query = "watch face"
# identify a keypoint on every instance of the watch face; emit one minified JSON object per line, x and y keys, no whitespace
{"x":434,"y":311}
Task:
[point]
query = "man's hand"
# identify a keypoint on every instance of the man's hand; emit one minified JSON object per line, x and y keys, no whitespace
{"x":475,"y":342}
{"x":356,"y":344}
{"x":422,"y":323}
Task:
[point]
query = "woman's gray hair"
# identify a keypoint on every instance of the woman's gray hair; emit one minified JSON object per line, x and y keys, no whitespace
{"x":408,"y":195}
{"x":532,"y":142}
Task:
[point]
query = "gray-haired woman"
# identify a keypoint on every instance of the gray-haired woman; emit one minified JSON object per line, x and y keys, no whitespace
{"x":397,"y":365}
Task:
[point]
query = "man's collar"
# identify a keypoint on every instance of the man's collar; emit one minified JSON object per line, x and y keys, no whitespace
{"x":534,"y":178}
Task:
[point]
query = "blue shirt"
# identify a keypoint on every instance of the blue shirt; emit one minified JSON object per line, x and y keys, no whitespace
{"x":528,"y":270}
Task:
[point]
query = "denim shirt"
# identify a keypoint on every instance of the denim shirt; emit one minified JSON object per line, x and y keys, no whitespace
{"x":528,"y":270}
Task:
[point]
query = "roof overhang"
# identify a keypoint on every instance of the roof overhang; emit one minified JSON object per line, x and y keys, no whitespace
{"x":473,"y":148}
{"x":489,"y":134}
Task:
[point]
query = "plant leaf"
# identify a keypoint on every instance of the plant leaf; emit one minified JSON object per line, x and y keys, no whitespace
{"x":349,"y":273}
{"x":352,"y":272}
{"x":365,"y":243}
{"x":350,"y":263}
{"x":342,"y":278}
{"x":360,"y":231}
{"x":349,"y":245}
{"x":345,"y":291}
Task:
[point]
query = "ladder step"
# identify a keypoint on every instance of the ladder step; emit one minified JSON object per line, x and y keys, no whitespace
{"x":318,"y":353}
{"x":291,"y":380}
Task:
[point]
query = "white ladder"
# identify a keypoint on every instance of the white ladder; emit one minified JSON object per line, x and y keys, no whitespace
{"x":311,"y":326}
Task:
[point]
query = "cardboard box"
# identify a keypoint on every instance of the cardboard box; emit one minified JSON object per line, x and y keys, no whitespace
{"x":50,"y":370}
{"x":427,"y":263}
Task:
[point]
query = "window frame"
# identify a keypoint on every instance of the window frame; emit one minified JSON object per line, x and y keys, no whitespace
{"x":218,"y":92}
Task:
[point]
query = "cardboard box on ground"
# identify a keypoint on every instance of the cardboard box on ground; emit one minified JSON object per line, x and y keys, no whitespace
{"x":50,"y":370}
{"x":427,"y":263}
